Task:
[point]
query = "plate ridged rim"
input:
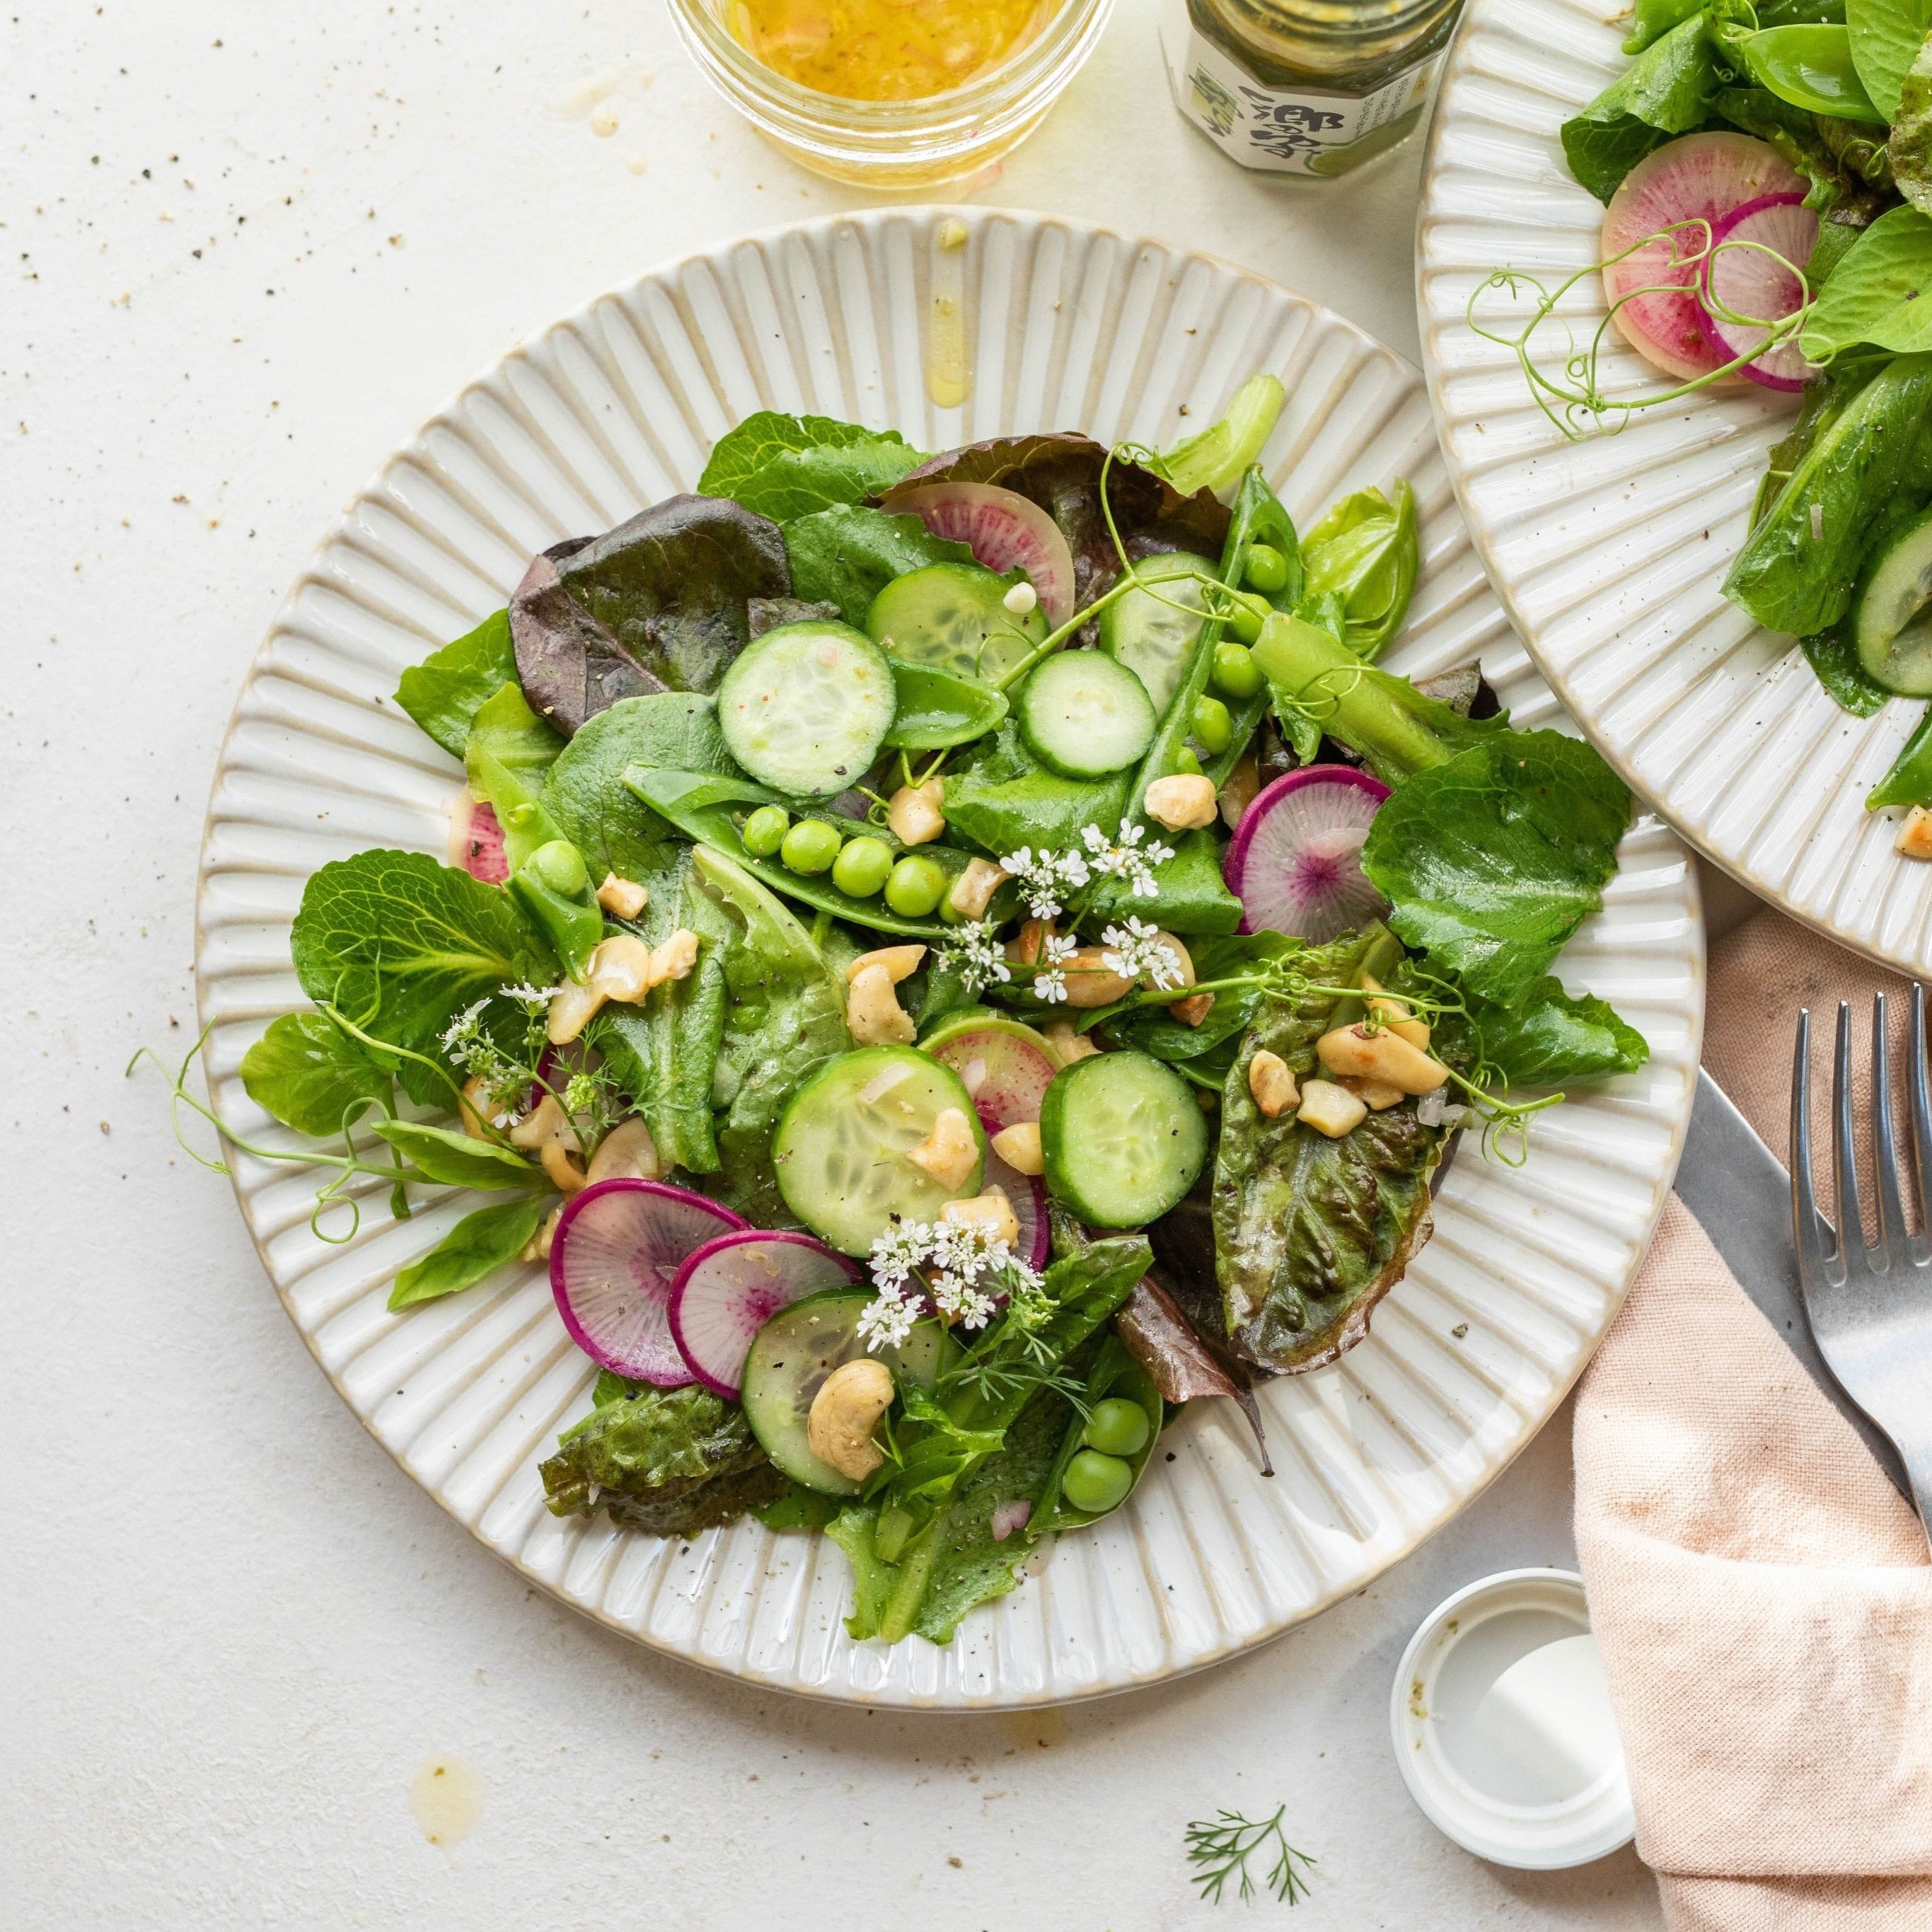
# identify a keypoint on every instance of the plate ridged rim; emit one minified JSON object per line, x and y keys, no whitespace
{"x":1468,"y":1356}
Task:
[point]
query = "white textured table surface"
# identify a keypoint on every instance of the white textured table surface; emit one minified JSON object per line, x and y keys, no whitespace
{"x":248,"y":249}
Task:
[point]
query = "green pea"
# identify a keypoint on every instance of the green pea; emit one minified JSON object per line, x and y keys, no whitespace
{"x":1235,"y":670}
{"x":1117,"y":1427}
{"x":1186,"y":764}
{"x":559,"y":865}
{"x":863,"y":867}
{"x":1094,"y":1483}
{"x":809,"y":847}
{"x":1211,"y":724}
{"x":765,"y":830}
{"x":1250,"y":613}
{"x":915,"y":887}
{"x":1266,"y":568}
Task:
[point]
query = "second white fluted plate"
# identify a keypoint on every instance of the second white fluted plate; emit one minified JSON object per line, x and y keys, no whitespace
{"x":1068,"y":326}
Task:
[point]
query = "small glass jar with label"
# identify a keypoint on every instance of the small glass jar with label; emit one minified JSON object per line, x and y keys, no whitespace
{"x":1312,"y":87}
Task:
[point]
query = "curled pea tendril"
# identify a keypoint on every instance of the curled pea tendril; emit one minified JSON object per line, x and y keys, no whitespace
{"x":1575,"y":401}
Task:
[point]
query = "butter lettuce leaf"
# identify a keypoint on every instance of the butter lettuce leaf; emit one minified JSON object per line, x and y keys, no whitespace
{"x":846,"y":555}
{"x":1492,"y":860}
{"x":1547,"y":1037}
{"x":784,"y":466}
{"x":442,"y":694}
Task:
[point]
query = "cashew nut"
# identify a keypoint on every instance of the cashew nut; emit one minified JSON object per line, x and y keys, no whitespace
{"x":622,"y":968}
{"x":1383,"y":1055}
{"x":572,"y":1008}
{"x":916,"y":814}
{"x":1396,"y":1017}
{"x":1375,"y":1095}
{"x":537,"y":1248}
{"x":901,"y":961}
{"x":1193,"y":1010}
{"x":1023,"y":950}
{"x":626,"y":1152}
{"x":1019,"y":1147}
{"x":1271,"y":1081}
{"x":476,"y":1106}
{"x":950,"y":1152}
{"x":838,"y":1426}
{"x":548,"y":1129}
{"x":1238,"y":791}
{"x":1329,"y":1109}
{"x":1090,"y":982}
{"x":1183,"y":802}
{"x":873,"y":1015}
{"x":623,"y":898}
{"x":1914,"y":834}
{"x":1064,"y":1046}
{"x":973,"y":891}
{"x":674,"y":959}
{"x":990,"y":1210}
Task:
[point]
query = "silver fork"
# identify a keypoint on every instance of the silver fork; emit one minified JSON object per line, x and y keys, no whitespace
{"x":1871,"y":1308}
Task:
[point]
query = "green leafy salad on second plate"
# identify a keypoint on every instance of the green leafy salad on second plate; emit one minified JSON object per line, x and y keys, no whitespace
{"x":1767,"y":174}
{"x":948,"y":959}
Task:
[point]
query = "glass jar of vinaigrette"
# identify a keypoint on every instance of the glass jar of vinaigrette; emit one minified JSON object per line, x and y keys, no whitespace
{"x":1313,"y":87}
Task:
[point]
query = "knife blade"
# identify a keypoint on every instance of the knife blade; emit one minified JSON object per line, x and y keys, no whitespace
{"x":1740,"y":1194}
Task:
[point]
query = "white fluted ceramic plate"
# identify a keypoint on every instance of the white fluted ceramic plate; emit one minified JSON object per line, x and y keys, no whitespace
{"x":615,"y":407}
{"x":1608,"y":552}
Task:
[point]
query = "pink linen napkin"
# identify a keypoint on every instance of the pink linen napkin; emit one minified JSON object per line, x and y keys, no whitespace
{"x":1762,"y":1595}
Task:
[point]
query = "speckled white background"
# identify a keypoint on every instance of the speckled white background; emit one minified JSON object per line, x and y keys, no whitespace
{"x":246,"y":249}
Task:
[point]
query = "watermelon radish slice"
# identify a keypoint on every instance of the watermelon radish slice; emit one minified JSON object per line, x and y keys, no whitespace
{"x":612,"y":1262}
{"x":1701,"y":178}
{"x":1747,"y":275}
{"x":476,"y":839}
{"x":1294,"y":861}
{"x":1003,"y":1064}
{"x":731,"y":1287}
{"x":1004,"y":529}
{"x":1026,"y":1195}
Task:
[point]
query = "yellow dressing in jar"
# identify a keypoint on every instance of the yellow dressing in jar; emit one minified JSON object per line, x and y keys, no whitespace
{"x":884,"y":49}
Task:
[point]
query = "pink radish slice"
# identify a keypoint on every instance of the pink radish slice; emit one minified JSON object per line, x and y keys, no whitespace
{"x":476,"y":840}
{"x":1702,"y":177}
{"x":1295,"y":860}
{"x":1026,"y":1195}
{"x":613,"y":1263}
{"x":1747,"y":280}
{"x":731,"y":1287}
{"x":1004,"y":529}
{"x":1003,"y":1070}
{"x":1007,"y":1517}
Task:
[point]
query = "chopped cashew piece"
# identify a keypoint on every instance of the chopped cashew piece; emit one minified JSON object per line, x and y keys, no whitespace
{"x":950,"y":1152}
{"x":1385,"y":1056}
{"x":1396,"y":1017}
{"x":1064,"y":1046}
{"x":838,"y":1426}
{"x":622,"y":968}
{"x":546,"y":1122}
{"x":674,"y":959}
{"x":537,"y":1248}
{"x":572,"y":1008}
{"x":1375,"y":1095}
{"x":1271,"y":1081}
{"x":474,"y":1106}
{"x":1238,"y":791}
{"x":565,"y":1169}
{"x":1019,"y":1147}
{"x":1193,"y":1010}
{"x":1181,"y":803}
{"x":901,"y":961}
{"x":626,"y":1152}
{"x":873,"y":1015}
{"x":1090,"y":982}
{"x":1329,"y":1109}
{"x":990,"y":1210}
{"x":1024,"y":950}
{"x":915,"y":815}
{"x":1914,"y":834}
{"x":973,"y":891}
{"x":623,"y":898}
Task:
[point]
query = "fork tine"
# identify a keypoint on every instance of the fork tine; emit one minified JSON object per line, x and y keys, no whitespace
{"x":1922,"y":1116}
{"x":1806,"y":1232}
{"x":1884,"y":1149}
{"x":1850,"y":1215}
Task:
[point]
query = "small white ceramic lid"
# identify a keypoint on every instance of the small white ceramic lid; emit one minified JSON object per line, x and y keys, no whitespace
{"x":1503,"y":1728}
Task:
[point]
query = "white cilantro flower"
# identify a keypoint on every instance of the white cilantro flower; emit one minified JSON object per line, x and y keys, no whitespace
{"x":533,"y":1000}
{"x":1050,"y":983}
{"x":1138,"y":951}
{"x":887,"y":1320}
{"x":975,"y":952}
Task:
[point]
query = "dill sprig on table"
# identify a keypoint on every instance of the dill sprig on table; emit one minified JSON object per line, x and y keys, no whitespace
{"x":1223,"y":1845}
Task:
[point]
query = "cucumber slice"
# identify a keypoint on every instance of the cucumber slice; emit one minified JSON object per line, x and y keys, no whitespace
{"x":804,"y":708}
{"x":1891,"y":619}
{"x":790,"y":1358}
{"x":1123,"y":1139}
{"x":953,"y":616}
{"x":840,"y":1150}
{"x":1153,"y":640}
{"x":1085,"y":715}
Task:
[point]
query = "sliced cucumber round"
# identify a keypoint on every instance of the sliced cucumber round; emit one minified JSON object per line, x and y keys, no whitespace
{"x":790,"y":1358}
{"x":1891,"y":614}
{"x":840,"y":1147}
{"x":804,"y":708}
{"x":1085,"y":715}
{"x":1145,"y":632}
{"x":1123,"y":1137}
{"x":954,"y":615}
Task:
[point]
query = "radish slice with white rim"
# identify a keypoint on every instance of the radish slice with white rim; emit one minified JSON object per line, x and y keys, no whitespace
{"x":1294,"y":861}
{"x":613,"y":1260}
{"x":731,"y":1287}
{"x":1701,"y":178}
{"x":1026,"y":1194}
{"x":1004,"y":530}
{"x":1748,"y":275}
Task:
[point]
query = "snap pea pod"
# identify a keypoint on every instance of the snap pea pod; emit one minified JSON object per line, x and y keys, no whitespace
{"x":1909,"y":780}
{"x":1811,"y":68}
{"x":1115,"y":1376}
{"x":547,"y":873}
